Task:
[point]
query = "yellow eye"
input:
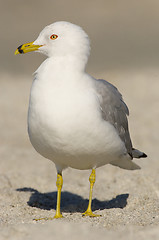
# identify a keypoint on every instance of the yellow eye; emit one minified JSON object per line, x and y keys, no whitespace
{"x":53,"y":36}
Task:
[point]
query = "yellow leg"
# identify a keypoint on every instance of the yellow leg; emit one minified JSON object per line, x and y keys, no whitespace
{"x":59,"y":184}
{"x":89,"y":212}
{"x":58,"y":214}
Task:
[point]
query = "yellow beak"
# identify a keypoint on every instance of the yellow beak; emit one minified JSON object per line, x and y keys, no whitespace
{"x":27,"y":47}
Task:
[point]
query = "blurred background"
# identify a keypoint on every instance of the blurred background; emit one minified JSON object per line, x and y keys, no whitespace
{"x":124,"y":38}
{"x":124,"y":34}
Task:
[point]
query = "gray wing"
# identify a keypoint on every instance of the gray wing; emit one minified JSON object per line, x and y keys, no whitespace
{"x":114,"y":110}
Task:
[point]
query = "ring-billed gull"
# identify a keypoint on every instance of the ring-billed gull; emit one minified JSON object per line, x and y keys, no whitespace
{"x":74,"y":119}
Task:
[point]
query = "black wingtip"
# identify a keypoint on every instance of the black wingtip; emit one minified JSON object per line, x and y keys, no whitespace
{"x":138,"y":154}
{"x":143,"y":155}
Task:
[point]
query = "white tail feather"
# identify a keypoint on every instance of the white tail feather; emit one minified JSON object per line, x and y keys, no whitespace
{"x":126,"y":163}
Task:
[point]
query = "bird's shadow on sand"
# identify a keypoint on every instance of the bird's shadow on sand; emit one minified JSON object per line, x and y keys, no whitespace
{"x":71,"y":202}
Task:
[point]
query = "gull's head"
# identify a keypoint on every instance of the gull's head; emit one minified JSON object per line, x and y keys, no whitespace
{"x":59,"y":39}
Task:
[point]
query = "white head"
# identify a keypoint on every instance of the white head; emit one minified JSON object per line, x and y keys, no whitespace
{"x":69,"y":39}
{"x":60,"y":39}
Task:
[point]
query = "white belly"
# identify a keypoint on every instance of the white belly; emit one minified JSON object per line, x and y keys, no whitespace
{"x":66,"y":127}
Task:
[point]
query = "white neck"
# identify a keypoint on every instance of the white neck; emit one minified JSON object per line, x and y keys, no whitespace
{"x":64,"y":64}
{"x":61,"y":71}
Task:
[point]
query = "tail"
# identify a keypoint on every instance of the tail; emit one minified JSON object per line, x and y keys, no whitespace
{"x":127,"y":163}
{"x":137,"y":154}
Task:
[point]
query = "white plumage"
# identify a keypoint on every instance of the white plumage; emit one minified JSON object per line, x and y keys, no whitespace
{"x":74,"y":119}
{"x":65,"y":117}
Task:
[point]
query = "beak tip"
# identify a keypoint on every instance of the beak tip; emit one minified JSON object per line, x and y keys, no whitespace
{"x":16,"y":52}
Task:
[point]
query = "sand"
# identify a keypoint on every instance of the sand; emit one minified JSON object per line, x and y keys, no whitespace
{"x":127,"y":200}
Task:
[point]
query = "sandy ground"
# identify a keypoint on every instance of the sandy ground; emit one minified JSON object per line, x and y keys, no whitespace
{"x":127,"y":200}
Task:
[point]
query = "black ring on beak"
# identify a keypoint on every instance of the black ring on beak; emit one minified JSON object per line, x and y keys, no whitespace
{"x":19,"y":49}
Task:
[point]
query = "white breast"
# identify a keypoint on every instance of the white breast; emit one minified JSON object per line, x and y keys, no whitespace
{"x":65,"y":123}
